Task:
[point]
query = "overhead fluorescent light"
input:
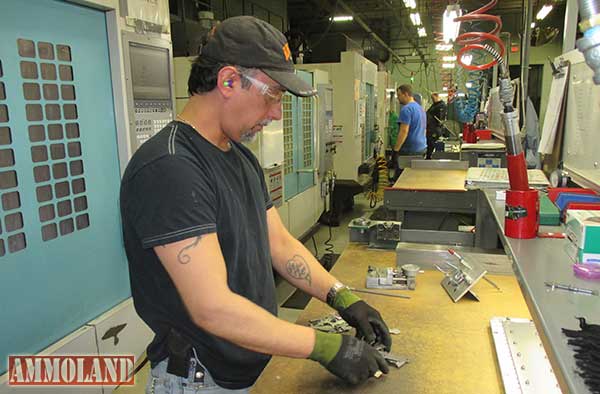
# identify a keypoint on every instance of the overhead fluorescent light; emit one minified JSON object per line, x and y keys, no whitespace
{"x":415,"y":18}
{"x":342,"y":18}
{"x":469,"y":85}
{"x":443,"y":94}
{"x":448,"y":65}
{"x":422,"y":32}
{"x":543,"y":12}
{"x":449,"y":58}
{"x":532,"y":25}
{"x":445,"y":88}
{"x":443,"y":47}
{"x":461,"y":95}
{"x":467,"y":58}
{"x":410,"y":4}
{"x":451,"y":27}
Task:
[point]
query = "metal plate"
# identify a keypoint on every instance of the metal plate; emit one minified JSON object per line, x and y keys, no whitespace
{"x":523,"y":361}
{"x":427,"y":255}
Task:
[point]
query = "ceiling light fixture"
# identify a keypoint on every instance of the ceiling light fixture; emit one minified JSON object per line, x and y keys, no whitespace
{"x":544,"y":11}
{"x":410,"y":4}
{"x":422,"y":32}
{"x":415,"y":18}
{"x":451,"y":27}
{"x":448,"y":65}
{"x":443,"y":47}
{"x":467,"y":58}
{"x":449,"y":58}
{"x":342,"y":18}
{"x":532,"y":25}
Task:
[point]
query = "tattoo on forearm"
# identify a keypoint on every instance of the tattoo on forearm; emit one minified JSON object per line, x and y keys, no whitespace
{"x":183,"y":257}
{"x":299,"y":269}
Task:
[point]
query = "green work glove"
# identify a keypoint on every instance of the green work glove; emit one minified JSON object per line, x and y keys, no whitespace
{"x":368,"y":322}
{"x":347,"y":357}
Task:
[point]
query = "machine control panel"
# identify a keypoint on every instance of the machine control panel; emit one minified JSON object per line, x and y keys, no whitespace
{"x":150,"y":117}
{"x":149,"y":85}
{"x":274,"y":179}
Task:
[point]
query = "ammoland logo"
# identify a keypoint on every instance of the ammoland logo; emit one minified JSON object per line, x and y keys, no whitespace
{"x":64,"y":370}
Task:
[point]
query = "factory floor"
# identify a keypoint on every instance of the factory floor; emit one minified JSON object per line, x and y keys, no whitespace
{"x":339,"y":240}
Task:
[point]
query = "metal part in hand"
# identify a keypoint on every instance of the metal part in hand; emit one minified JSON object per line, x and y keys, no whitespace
{"x":392,"y":359}
{"x":332,"y":323}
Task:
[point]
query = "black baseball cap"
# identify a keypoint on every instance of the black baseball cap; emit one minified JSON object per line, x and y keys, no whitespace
{"x":253,"y":43}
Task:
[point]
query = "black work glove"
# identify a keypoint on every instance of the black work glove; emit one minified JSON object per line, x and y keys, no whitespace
{"x":368,"y":323}
{"x":347,"y":357}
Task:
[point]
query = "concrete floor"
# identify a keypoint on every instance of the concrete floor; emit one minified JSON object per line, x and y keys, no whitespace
{"x":339,"y":240}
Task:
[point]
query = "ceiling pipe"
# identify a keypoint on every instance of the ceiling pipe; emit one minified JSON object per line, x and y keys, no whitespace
{"x":525,"y":46}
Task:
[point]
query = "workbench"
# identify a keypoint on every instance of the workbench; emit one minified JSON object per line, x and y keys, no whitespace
{"x":536,"y":261}
{"x":439,"y":191}
{"x":449,"y":345}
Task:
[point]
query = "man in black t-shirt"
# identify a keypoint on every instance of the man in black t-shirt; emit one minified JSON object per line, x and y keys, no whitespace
{"x":435,"y":128}
{"x":202,"y":236}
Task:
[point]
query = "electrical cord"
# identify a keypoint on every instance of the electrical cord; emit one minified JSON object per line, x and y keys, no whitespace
{"x":318,"y":41}
{"x":315,"y":246}
{"x":461,"y":220}
{"x":379,"y":182}
{"x":327,"y":243}
{"x":443,"y":221}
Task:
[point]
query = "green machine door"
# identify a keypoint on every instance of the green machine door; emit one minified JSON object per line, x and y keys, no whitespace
{"x":298,"y":139}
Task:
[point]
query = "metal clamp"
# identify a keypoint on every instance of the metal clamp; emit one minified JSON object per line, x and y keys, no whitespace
{"x":391,"y":278}
{"x":460,"y":280}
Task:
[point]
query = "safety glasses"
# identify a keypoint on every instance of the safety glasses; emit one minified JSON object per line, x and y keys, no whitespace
{"x":265,"y":89}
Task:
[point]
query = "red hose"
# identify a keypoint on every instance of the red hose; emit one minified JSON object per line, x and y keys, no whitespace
{"x":482,"y":37}
{"x":474,"y":40}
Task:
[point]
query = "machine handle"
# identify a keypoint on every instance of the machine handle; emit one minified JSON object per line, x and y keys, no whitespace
{"x":307,"y":170}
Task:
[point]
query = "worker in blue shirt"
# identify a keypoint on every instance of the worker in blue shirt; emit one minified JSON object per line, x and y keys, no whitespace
{"x":412,"y":123}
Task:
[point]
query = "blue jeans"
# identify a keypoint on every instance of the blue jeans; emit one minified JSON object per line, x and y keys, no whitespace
{"x":162,"y":382}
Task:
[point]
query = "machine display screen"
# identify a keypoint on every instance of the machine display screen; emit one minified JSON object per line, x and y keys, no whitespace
{"x":150,"y":72}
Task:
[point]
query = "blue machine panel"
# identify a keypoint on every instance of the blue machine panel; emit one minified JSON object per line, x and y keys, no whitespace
{"x":61,"y":257}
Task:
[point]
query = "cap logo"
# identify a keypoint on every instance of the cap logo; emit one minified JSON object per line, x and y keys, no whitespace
{"x":286,"y":52}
